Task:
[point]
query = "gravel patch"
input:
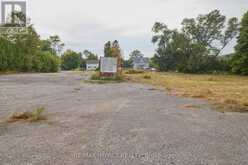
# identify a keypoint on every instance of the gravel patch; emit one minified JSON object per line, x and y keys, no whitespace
{"x":114,"y":124}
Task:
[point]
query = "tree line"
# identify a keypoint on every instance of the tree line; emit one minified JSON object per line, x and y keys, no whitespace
{"x":197,"y":46}
{"x":25,"y":51}
{"x":72,"y":60}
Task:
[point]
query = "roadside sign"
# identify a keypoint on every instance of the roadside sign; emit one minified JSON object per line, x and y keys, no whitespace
{"x":108,"y":65}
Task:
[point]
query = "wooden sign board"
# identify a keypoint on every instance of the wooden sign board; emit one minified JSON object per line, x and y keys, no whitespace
{"x":108,"y":66}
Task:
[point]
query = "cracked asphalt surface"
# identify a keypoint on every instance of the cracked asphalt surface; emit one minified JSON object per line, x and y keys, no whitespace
{"x":114,"y":124}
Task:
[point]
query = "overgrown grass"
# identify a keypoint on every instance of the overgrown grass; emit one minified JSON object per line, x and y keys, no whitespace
{"x":97,"y":78}
{"x":133,"y":71}
{"x":78,"y":69}
{"x":34,"y":116}
{"x":226,"y":92}
{"x":8,"y":72}
{"x":147,"y":77}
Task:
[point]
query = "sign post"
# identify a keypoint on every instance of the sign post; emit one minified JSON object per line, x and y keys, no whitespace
{"x":108,"y":66}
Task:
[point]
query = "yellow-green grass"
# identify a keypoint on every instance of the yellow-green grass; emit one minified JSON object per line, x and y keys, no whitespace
{"x":34,"y":116}
{"x":7,"y":72}
{"x":226,"y":92}
{"x":97,"y":78}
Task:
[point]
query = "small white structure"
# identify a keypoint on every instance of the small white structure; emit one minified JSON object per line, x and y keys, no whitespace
{"x":141,"y":63}
{"x":92,"y":65}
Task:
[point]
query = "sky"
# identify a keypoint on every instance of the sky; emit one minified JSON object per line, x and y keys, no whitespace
{"x":88,"y":24}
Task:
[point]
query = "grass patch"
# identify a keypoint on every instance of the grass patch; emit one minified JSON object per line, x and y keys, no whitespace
{"x":34,"y":116}
{"x":133,"y":71}
{"x":98,"y":79}
{"x":192,"y":107}
{"x":227,"y":92}
{"x":8,"y":72}
{"x":147,"y":77}
{"x":78,"y":70}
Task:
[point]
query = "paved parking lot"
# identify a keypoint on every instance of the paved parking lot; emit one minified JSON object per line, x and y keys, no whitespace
{"x":114,"y":124}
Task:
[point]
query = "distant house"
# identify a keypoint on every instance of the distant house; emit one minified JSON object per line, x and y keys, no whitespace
{"x":92,"y":65}
{"x":141,"y":63}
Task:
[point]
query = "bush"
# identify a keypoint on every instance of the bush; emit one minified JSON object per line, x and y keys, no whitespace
{"x":70,"y":60}
{"x":240,"y":64}
{"x":8,"y":56}
{"x":96,"y":76}
{"x":23,"y":54}
{"x":240,"y":58}
{"x":34,"y":116}
{"x":47,"y":62}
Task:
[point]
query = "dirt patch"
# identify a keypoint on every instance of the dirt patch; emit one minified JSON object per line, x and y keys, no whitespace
{"x":34,"y":116}
{"x":191,"y":107}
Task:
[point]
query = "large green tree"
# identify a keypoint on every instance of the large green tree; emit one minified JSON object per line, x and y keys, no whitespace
{"x":46,"y":46}
{"x":116,"y":50}
{"x":107,"y":49}
{"x":23,"y":51}
{"x":89,"y":55}
{"x":113,"y":50}
{"x":135,"y":54}
{"x":211,"y":30}
{"x":70,"y":60}
{"x":194,"y":47}
{"x":56,"y":44}
{"x":240,"y":58}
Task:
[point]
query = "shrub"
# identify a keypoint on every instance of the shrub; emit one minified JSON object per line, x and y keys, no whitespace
{"x":47,"y":62}
{"x":8,"y":56}
{"x":70,"y":60}
{"x":240,"y":58}
{"x":96,"y":76}
{"x":37,"y":114}
{"x":14,"y":56}
{"x":33,"y":116}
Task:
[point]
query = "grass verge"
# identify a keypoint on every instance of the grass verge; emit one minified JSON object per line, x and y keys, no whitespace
{"x":226,"y":92}
{"x":133,"y":71}
{"x":7,"y":72}
{"x":97,"y":79}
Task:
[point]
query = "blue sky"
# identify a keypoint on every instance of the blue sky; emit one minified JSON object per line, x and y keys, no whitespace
{"x":88,"y":24}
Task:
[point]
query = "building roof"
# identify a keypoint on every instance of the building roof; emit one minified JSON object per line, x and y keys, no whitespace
{"x":92,"y":62}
